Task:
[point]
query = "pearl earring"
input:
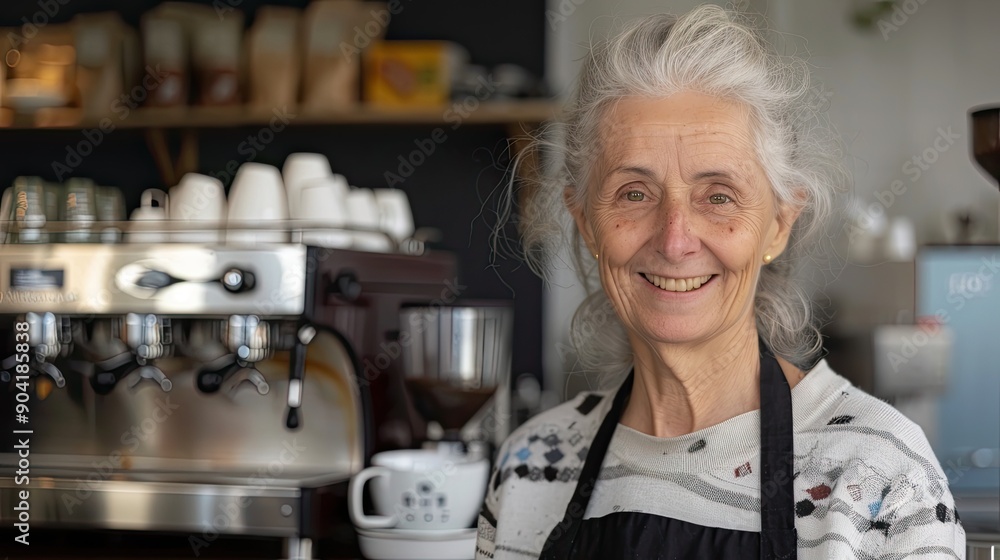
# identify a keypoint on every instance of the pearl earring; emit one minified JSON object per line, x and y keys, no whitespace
{"x":767,"y":259}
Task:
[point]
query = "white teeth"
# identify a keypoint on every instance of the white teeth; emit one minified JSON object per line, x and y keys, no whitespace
{"x":677,"y":284}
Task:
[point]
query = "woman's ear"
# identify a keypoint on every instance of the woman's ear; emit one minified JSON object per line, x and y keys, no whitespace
{"x":788,"y":212}
{"x":571,"y":201}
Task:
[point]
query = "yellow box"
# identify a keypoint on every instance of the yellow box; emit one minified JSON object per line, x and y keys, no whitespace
{"x":408,"y":73}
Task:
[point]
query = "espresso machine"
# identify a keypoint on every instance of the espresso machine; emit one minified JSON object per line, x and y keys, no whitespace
{"x":198,"y":392}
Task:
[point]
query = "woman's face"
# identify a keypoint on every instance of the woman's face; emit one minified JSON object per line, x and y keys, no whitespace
{"x":681,"y":214}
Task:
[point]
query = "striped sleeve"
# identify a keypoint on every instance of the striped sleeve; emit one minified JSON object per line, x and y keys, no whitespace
{"x":916,"y":520}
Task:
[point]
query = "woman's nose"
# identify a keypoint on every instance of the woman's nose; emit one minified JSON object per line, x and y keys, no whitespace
{"x":677,"y":237}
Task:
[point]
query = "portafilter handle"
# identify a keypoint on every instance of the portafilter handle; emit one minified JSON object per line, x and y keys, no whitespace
{"x":53,"y":372}
{"x":10,"y":364}
{"x":152,"y":373}
{"x":296,"y":373}
{"x":249,"y":375}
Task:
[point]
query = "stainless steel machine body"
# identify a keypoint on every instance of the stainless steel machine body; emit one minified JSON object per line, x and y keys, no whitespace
{"x":198,"y":389}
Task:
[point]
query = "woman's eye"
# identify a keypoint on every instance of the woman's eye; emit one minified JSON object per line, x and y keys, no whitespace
{"x":719,"y":199}
{"x":634,"y":196}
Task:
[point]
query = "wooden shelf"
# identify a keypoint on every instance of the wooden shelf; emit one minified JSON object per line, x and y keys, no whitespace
{"x":488,"y":113}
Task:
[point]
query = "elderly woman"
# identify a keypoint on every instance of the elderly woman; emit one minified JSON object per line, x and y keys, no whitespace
{"x":695,"y":170}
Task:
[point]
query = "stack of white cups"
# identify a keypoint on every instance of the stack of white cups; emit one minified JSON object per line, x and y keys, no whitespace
{"x":194,"y":209}
{"x":314,"y":196}
{"x":329,"y":212}
{"x":338,"y":215}
{"x":199,"y":202}
{"x":257,"y":198}
{"x":148,"y":219}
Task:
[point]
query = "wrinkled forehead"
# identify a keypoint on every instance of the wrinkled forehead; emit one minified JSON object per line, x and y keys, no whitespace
{"x":687,"y":124}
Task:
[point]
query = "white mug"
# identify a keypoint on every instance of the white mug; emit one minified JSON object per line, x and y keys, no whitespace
{"x":395,"y":216}
{"x":148,"y":219}
{"x":321,"y":206}
{"x":419,"y":489}
{"x":5,"y":213}
{"x":363,"y":214}
{"x":199,"y":202}
{"x":256,"y":198}
{"x":299,"y":170}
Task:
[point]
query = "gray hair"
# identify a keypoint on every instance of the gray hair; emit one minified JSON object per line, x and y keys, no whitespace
{"x":716,"y":52}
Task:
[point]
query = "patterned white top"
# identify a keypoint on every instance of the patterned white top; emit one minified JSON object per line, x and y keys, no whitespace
{"x":867,"y":484}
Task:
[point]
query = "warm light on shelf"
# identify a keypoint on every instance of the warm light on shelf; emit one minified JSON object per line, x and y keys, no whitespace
{"x":505,"y":112}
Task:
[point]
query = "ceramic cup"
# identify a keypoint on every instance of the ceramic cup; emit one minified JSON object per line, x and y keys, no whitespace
{"x":198,"y":209}
{"x":31,"y":212}
{"x":79,"y":208}
{"x":419,"y":489}
{"x":110,"y":208}
{"x":321,"y":207}
{"x":363,"y":215}
{"x":148,"y":220}
{"x":257,"y":197}
{"x":299,"y":170}
{"x":395,"y":216}
{"x":5,"y":214}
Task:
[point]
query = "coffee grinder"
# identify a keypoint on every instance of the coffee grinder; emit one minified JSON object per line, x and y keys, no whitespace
{"x":456,"y":362}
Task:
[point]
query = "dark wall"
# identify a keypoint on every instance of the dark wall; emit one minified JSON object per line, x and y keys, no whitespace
{"x":493,"y":32}
{"x":450,"y":191}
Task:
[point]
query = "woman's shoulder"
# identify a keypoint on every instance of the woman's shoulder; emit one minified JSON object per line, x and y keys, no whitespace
{"x":827,"y":404}
{"x":535,"y":472}
{"x":558,"y":434}
{"x":841,"y":428}
{"x":865,"y":471}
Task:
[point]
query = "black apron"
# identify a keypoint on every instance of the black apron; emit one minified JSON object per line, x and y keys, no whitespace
{"x":647,"y":536}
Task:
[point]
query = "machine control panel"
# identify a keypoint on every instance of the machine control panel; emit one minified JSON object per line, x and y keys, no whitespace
{"x":72,"y":279}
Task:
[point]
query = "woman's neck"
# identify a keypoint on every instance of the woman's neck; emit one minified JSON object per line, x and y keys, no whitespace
{"x":683,"y":389}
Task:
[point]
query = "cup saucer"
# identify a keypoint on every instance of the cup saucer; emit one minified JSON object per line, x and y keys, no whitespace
{"x":418,"y":534}
{"x":417,"y":544}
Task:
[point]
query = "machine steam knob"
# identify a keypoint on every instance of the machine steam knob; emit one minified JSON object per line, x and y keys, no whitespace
{"x":236,"y":280}
{"x":306,"y":334}
{"x":347,"y":285}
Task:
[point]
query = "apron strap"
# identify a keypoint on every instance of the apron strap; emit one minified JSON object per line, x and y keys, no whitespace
{"x":778,"y":539}
{"x":559,"y":545}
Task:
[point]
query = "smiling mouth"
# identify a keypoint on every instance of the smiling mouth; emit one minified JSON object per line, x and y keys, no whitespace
{"x":676,"y":284}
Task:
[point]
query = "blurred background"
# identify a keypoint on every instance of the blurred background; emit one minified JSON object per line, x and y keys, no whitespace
{"x":433,"y":98}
